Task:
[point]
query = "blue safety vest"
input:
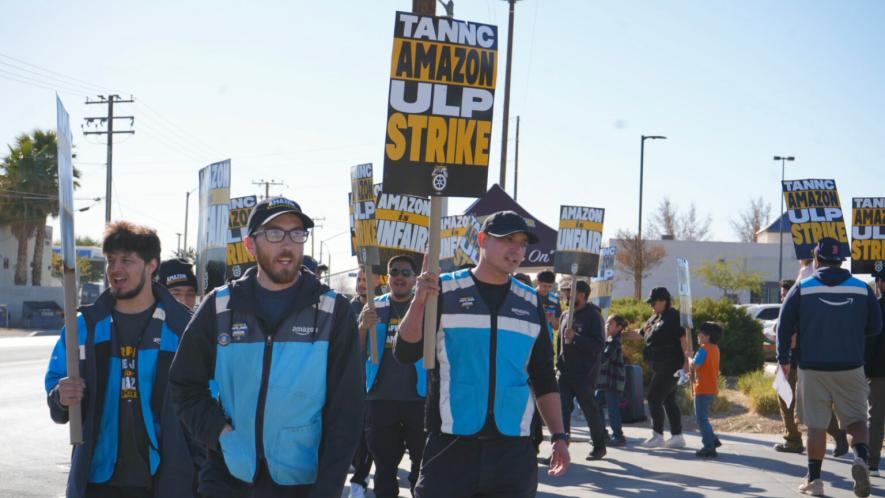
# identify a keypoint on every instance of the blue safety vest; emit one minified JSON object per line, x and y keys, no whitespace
{"x":295,"y":391}
{"x":382,"y":308}
{"x":471,"y":353}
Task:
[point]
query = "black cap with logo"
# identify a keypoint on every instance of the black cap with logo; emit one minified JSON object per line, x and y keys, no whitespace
{"x":504,"y":223}
{"x":176,"y":273}
{"x":828,"y":249}
{"x":273,"y":207}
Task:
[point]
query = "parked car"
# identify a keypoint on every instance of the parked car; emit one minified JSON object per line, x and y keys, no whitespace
{"x":767,"y":315}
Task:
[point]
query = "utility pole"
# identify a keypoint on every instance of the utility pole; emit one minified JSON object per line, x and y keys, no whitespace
{"x":267,"y":184}
{"x":179,"y":243}
{"x":780,"y":223}
{"x":503,"y":180}
{"x":516,"y":162}
{"x":110,"y":100}
{"x":187,"y":205}
{"x":317,"y":224}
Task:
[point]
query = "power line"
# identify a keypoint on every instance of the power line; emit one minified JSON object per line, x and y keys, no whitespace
{"x":267,"y":184}
{"x":50,"y":71}
{"x":109,"y":131}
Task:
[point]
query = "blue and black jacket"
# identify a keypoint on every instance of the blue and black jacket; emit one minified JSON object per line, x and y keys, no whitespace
{"x":382,"y":308}
{"x":491,"y":364}
{"x":290,"y":393}
{"x":171,"y":462}
{"x":834,"y":314}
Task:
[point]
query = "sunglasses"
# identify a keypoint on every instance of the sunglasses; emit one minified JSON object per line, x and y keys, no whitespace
{"x":395,"y":272}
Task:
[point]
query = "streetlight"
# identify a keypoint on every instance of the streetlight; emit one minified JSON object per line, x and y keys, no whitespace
{"x":641,"y":171}
{"x":780,"y":227}
{"x":187,"y":200}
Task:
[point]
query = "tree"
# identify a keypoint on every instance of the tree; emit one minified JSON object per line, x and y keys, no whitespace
{"x":750,"y":222}
{"x":87,"y":269}
{"x":730,"y":278}
{"x":29,"y":195}
{"x":667,"y":221}
{"x":636,"y":258}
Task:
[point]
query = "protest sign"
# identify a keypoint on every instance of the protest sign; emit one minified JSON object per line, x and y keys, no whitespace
{"x":401,"y":227}
{"x":69,"y":261}
{"x":579,"y":240}
{"x":451,"y":230}
{"x":867,"y":234}
{"x":440,"y":106}
{"x":683,"y":280}
{"x":467,"y":251}
{"x":814,"y":212}
{"x":363,"y":197}
{"x":212,"y":231}
{"x":603,"y":285}
{"x":238,"y":258}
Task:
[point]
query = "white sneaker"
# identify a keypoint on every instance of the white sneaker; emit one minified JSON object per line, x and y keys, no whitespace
{"x":875,"y":472}
{"x":655,"y":441}
{"x":676,"y":441}
{"x":861,"y":475}
{"x":813,"y":488}
{"x":357,"y":491}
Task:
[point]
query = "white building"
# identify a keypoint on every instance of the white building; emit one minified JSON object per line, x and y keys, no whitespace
{"x":759,"y":257}
{"x":12,"y":296}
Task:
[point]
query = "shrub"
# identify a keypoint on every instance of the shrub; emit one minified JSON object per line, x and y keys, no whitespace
{"x":757,"y":386}
{"x":741,"y":343}
{"x":635,"y":311}
{"x":748,"y":381}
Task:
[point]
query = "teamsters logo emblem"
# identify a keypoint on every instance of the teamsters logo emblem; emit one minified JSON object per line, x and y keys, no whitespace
{"x":440,"y":178}
{"x":223,"y":339}
{"x":879,"y":266}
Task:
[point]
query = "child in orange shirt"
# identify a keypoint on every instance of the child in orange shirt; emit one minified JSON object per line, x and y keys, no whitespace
{"x":705,"y":365}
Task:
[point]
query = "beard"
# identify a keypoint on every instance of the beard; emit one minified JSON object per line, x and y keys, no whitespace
{"x":282,"y":276}
{"x":130,"y":294}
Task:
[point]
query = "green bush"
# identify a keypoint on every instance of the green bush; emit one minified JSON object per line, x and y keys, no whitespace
{"x":757,"y":386}
{"x":741,"y":343}
{"x":748,"y":381}
{"x":636,"y":312}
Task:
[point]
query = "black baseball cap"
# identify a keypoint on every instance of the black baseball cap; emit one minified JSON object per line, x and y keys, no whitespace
{"x":504,"y":223}
{"x":176,"y":273}
{"x":657,"y":294}
{"x":309,"y":263}
{"x":273,"y":207}
{"x":829,"y":249}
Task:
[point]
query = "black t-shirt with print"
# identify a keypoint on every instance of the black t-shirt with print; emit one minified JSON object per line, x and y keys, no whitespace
{"x":395,"y":381}
{"x":132,"y":468}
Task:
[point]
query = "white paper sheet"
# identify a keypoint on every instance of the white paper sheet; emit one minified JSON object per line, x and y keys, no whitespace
{"x":782,"y":386}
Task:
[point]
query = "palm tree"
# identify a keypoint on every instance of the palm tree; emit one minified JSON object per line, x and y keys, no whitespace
{"x":29,"y":185}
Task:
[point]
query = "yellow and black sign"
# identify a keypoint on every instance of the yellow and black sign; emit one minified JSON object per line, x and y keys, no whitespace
{"x":363,"y":201}
{"x":453,"y":230}
{"x":238,"y":258}
{"x":867,"y":234}
{"x":579,"y":241}
{"x":401,"y":227}
{"x":814,"y":212}
{"x":439,"y":114}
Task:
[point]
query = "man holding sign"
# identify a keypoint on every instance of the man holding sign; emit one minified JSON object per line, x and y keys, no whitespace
{"x":134,"y":445}
{"x":495,"y":362}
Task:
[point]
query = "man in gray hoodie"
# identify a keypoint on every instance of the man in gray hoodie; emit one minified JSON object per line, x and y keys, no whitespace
{"x":834,"y":313}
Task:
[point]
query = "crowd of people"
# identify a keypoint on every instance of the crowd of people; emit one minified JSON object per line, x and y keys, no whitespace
{"x":268,"y":387}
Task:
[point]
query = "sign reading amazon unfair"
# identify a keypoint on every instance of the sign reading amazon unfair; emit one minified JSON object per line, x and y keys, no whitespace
{"x":867,"y":234}
{"x":814,"y":212}
{"x":439,"y":114}
{"x":579,"y":240}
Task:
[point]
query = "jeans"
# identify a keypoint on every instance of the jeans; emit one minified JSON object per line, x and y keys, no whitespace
{"x":569,"y":389}
{"x":702,"y":404}
{"x":611,"y":400}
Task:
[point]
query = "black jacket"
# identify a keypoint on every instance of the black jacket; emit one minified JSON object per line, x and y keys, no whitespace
{"x":581,"y":358}
{"x":875,"y":350}
{"x":663,"y":349}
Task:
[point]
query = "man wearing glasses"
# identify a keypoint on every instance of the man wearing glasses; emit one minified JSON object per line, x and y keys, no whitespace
{"x":284,"y":353}
{"x":394,"y":391}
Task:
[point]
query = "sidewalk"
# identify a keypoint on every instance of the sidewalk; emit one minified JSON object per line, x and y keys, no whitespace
{"x":747,"y":466}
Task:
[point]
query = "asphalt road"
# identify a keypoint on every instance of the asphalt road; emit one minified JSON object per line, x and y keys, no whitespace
{"x":34,"y":452}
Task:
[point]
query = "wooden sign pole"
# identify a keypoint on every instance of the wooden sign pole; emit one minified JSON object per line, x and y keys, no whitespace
{"x":72,"y":351}
{"x":431,"y":309}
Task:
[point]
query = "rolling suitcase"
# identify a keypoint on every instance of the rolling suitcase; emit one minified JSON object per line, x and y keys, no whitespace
{"x":633,"y":406}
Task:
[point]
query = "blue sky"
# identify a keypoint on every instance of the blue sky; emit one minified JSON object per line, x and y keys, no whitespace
{"x":297,"y":92}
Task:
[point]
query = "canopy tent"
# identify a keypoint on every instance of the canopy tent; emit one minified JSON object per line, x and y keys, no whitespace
{"x":538,"y":256}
